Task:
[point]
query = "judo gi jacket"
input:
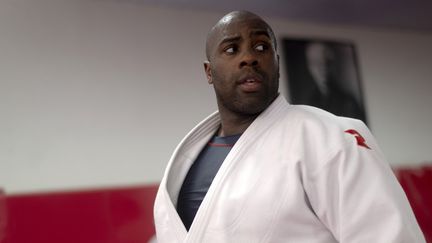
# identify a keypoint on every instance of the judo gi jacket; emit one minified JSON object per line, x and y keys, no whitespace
{"x":298,"y":174}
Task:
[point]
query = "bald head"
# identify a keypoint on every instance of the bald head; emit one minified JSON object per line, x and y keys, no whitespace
{"x":234,"y":17}
{"x":242,"y":65}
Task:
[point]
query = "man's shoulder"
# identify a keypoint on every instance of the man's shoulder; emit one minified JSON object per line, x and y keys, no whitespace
{"x":312,"y":116}
{"x":308,"y":120}
{"x":319,"y":126}
{"x":319,"y":135}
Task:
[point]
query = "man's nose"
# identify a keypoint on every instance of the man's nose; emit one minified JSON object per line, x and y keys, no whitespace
{"x":248,"y":59}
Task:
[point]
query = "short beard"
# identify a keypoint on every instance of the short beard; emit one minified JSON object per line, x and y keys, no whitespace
{"x":238,"y":106}
{"x":252,"y":105}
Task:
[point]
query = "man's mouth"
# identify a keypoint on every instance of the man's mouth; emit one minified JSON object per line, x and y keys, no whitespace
{"x":250,"y":84}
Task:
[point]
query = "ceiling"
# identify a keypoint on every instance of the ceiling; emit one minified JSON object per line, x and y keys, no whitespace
{"x":396,"y":14}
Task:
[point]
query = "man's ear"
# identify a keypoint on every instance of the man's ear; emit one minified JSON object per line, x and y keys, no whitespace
{"x":207,"y":71}
{"x":278,"y":63}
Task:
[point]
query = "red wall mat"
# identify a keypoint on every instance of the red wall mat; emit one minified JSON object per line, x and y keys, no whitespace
{"x":125,"y":215}
{"x":416,"y":183}
{"x":99,"y":216}
{"x":3,"y":217}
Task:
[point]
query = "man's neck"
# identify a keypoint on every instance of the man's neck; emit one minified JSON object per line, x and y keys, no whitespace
{"x":232,"y":124}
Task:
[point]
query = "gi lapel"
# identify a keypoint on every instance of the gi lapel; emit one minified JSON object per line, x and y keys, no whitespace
{"x":178,"y":166}
{"x":252,"y":133}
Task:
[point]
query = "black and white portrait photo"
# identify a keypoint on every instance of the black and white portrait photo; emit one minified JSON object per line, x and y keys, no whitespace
{"x":324,"y":74}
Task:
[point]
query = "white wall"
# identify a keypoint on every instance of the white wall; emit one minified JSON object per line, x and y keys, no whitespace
{"x":99,"y":92}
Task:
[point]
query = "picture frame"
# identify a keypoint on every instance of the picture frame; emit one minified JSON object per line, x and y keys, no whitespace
{"x":325,"y":74}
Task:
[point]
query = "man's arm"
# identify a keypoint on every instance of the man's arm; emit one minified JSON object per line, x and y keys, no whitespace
{"x":356,"y":195}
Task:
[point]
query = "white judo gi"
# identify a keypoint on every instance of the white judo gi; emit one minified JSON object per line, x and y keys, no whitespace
{"x":298,"y":174}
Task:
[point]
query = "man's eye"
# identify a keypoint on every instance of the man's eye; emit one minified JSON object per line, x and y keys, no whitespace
{"x":261,"y":47}
{"x":230,"y":50}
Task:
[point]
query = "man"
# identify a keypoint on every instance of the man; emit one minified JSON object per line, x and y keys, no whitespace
{"x":326,"y":91}
{"x":291,"y":173}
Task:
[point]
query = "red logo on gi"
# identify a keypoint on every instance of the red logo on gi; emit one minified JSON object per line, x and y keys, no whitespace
{"x":360,"y":140}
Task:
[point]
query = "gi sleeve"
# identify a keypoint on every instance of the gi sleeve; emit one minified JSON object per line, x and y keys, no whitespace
{"x":357,"y":197}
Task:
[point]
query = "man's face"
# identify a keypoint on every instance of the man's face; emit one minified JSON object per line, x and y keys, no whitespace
{"x":320,"y":60}
{"x":243,"y":66}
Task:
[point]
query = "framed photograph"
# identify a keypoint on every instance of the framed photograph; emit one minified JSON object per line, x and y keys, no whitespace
{"x":324,"y":74}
